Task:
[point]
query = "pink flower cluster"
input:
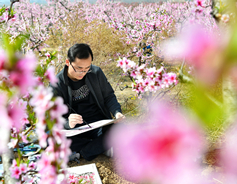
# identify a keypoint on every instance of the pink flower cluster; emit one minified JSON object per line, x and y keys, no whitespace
{"x":164,"y":149}
{"x":19,"y":74}
{"x":198,"y":45}
{"x":85,"y":179}
{"x":22,"y":172}
{"x":147,"y":79}
{"x":228,"y":156}
{"x":4,"y":17}
{"x":14,"y":117}
{"x":57,"y":152}
{"x":50,"y":75}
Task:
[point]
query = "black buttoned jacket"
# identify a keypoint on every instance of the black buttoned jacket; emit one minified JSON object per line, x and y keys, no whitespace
{"x":99,"y":87}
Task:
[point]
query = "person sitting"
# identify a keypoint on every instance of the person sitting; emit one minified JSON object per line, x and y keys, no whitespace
{"x":89,"y":97}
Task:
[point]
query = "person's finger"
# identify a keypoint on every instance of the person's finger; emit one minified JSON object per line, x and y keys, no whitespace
{"x":75,"y":119}
{"x":75,"y":115}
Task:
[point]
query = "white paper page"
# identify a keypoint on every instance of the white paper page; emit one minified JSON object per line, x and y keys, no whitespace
{"x":86,"y":128}
{"x":85,"y":169}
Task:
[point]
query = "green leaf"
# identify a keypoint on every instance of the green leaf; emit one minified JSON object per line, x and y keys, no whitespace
{"x":231,"y":50}
{"x":206,"y":107}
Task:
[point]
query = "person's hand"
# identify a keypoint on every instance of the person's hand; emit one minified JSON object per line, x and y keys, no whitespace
{"x":119,"y":115}
{"x":74,"y":119}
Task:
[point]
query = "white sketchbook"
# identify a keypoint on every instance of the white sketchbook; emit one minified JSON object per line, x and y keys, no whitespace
{"x":88,"y":171}
{"x":86,"y":128}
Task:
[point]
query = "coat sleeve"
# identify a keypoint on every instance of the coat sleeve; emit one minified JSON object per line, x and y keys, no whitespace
{"x":110,"y":99}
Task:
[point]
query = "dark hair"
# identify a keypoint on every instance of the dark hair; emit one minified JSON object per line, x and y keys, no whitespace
{"x":80,"y":51}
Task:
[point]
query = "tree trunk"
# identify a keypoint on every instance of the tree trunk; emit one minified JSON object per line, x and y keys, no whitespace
{"x":6,"y":157}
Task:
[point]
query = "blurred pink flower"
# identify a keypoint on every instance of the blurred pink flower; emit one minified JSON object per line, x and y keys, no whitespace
{"x":22,"y":75}
{"x":41,"y":100}
{"x":172,"y":78}
{"x":50,"y":74}
{"x":44,"y":161}
{"x":228,"y":155}
{"x":16,"y":113}
{"x":15,"y":172}
{"x":201,"y":49}
{"x":48,"y":175}
{"x":40,"y":130}
{"x":13,"y":19}
{"x":199,"y":3}
{"x":3,"y":58}
{"x":12,"y":143}
{"x":47,"y":55}
{"x":58,"y":109}
{"x":4,"y":16}
{"x":164,"y":150}
{"x":31,"y":166}
{"x":192,"y":44}
{"x":23,"y":167}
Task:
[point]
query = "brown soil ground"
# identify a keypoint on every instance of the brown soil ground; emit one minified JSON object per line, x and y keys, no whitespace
{"x":109,"y":175}
{"x":105,"y":168}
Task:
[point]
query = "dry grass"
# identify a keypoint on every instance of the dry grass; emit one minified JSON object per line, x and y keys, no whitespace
{"x":105,"y":43}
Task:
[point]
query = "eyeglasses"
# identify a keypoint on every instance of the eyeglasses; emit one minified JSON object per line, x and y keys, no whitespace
{"x":88,"y":71}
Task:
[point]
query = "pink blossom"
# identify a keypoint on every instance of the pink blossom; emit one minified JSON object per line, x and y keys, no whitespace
{"x":48,"y":175}
{"x":72,"y":179}
{"x":58,"y":109}
{"x":15,"y":172}
{"x":24,"y":138}
{"x":16,"y":113}
{"x":12,"y":143}
{"x":139,"y":53}
{"x":192,"y":44}
{"x":14,"y":163}
{"x":13,"y":19}
{"x":199,"y":3}
{"x":41,"y":100}
{"x":162,"y":150}
{"x":150,"y":71}
{"x":31,"y":166}
{"x":3,"y":59}
{"x":65,"y":150}
{"x":228,"y":155}
{"x":24,"y":120}
{"x":5,"y":16}
{"x":198,"y":46}
{"x":50,"y":74}
{"x":22,"y":75}
{"x":172,"y":78}
{"x":40,"y":130}
{"x":126,"y":64}
{"x":44,"y":162}
{"x":23,"y":168}
{"x":47,"y":55}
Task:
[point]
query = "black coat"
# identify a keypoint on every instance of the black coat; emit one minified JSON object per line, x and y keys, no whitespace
{"x":99,"y":87}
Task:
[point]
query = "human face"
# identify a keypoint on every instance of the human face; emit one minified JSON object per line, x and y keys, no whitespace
{"x":78,"y":69}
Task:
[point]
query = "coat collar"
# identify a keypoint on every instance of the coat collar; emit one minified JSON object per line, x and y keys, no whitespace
{"x":65,"y":77}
